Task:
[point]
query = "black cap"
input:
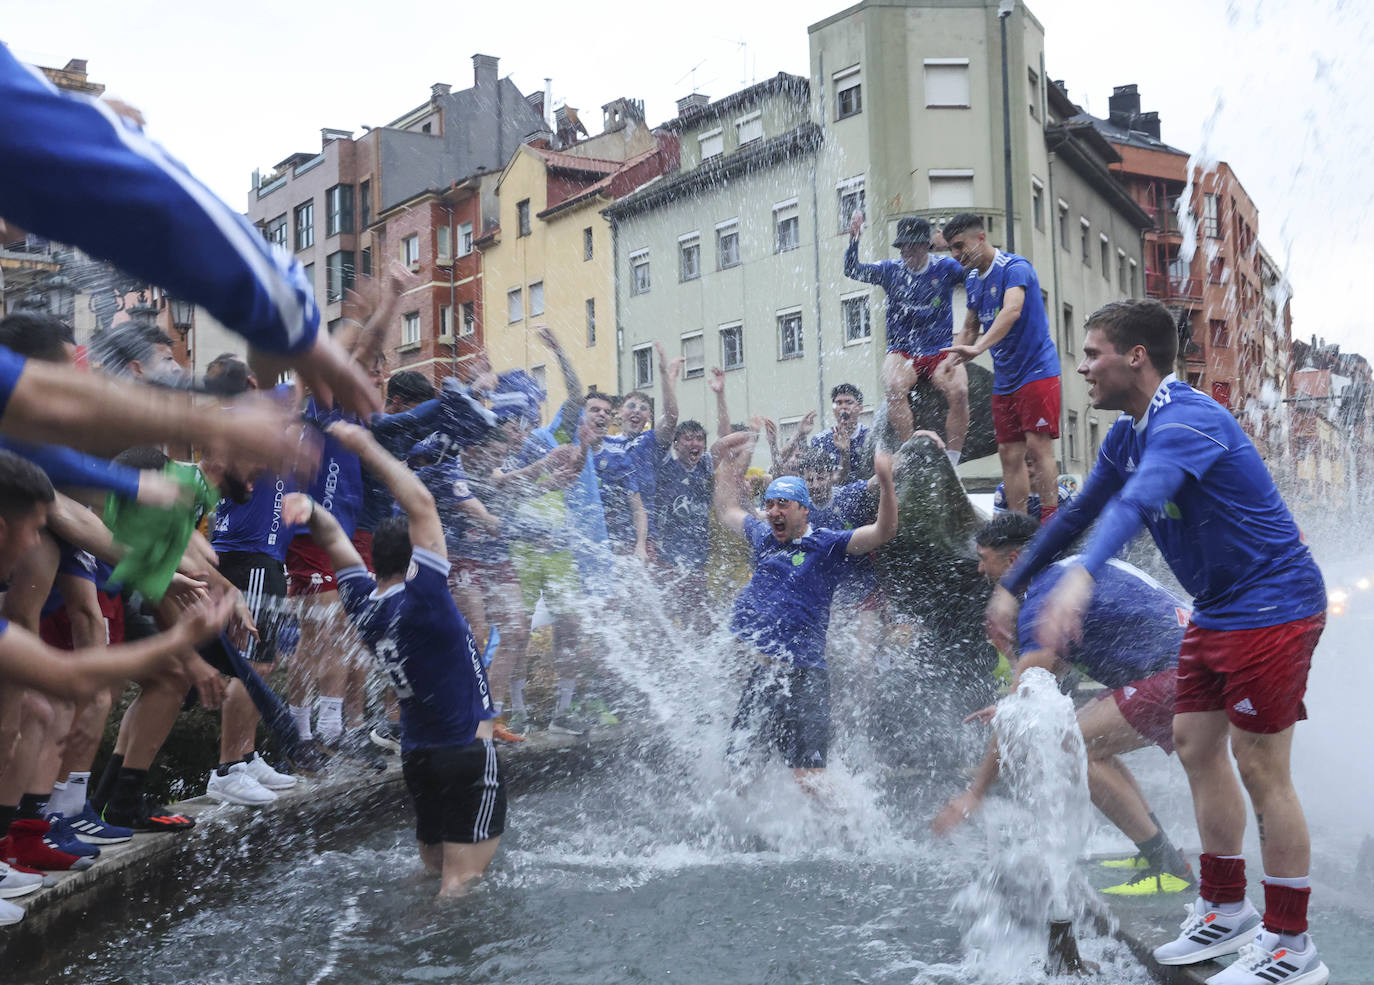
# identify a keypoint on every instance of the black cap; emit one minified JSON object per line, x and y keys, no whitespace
{"x":912,"y":232}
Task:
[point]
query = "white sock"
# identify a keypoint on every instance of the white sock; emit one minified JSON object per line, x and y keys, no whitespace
{"x":953,"y":454}
{"x":300,"y":714}
{"x":565,"y":695}
{"x":54,"y":804}
{"x":329,"y":719}
{"x":517,"y":696}
{"x":1292,"y":882}
{"x":500,"y":707}
{"x":69,"y":798}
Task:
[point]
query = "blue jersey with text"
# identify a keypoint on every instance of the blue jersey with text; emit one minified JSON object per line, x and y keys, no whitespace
{"x":1026,"y":353}
{"x":784,"y":611}
{"x":826,"y":441}
{"x":1226,"y":533}
{"x":619,"y":473}
{"x":684,"y":511}
{"x":448,"y":484}
{"x":338,"y":485}
{"x":920,"y":304}
{"x":851,"y":505}
{"x":255,"y":525}
{"x":423,"y":642}
{"x":1131,"y":630}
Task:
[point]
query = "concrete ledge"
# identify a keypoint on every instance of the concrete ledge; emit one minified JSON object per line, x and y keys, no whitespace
{"x":315,"y":810}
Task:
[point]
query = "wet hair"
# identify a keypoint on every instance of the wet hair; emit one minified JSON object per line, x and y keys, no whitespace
{"x":127,"y":342}
{"x":962,"y":222}
{"x":226,"y":376}
{"x":409,"y":386}
{"x":391,"y":547}
{"x":638,"y":395}
{"x":818,"y":460}
{"x":1139,"y":321}
{"x":35,"y":335}
{"x":23,"y":485}
{"x":689,"y":427}
{"x":142,"y":457}
{"x":1007,"y":531}
{"x":841,"y":389}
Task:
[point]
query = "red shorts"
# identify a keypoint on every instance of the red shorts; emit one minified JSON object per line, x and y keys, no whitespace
{"x":1258,"y":675}
{"x":55,"y":629}
{"x":924,"y":366}
{"x":308,"y":570}
{"x":362,"y":543}
{"x":1033,"y":409}
{"x":1148,"y":706}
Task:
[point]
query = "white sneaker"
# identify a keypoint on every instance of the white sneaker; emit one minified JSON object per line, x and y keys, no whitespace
{"x":1209,"y":933}
{"x":9,"y":913}
{"x":238,"y":787}
{"x":1265,"y":962}
{"x":260,"y":770}
{"x":15,"y":883}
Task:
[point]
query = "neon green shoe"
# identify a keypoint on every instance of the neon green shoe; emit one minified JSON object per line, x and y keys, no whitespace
{"x":1152,"y":882}
{"x":1134,"y":862}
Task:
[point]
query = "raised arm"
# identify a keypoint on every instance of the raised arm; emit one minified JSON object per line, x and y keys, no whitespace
{"x":884,"y":528}
{"x":734,"y":452}
{"x":667,"y":422}
{"x":411,"y":495}
{"x":571,"y":383}
{"x":717,"y":384}
{"x":869,"y":273}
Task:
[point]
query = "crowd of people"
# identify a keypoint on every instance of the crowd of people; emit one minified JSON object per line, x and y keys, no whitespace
{"x":423,"y":536}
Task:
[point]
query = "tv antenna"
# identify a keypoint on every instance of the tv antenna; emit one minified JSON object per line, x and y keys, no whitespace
{"x":693,"y":74}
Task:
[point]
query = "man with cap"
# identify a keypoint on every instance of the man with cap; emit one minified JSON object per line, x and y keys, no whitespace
{"x":782,"y":616}
{"x":920,"y":326}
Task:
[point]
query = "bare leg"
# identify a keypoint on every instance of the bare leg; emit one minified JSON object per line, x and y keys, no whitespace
{"x":1200,"y":738}
{"x":507,"y":612}
{"x":1015,"y":481}
{"x":433,"y":858}
{"x":464,"y":864}
{"x":899,"y":376}
{"x":239,"y":719}
{"x":951,"y":379}
{"x":1040,"y":452}
{"x":26,"y":722}
{"x":1264,"y":769}
{"x":1114,"y":792}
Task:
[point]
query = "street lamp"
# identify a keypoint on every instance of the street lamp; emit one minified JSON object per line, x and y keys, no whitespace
{"x":1004,"y":9}
{"x":183,"y":315}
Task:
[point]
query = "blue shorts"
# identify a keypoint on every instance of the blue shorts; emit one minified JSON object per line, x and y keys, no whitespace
{"x":785,"y":709}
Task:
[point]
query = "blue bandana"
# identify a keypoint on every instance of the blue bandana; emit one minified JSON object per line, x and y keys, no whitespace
{"x":788,"y":487}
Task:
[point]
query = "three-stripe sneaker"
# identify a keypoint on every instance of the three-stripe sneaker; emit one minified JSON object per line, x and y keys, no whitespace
{"x":1209,"y":933}
{"x":90,"y":828}
{"x":1266,"y":962}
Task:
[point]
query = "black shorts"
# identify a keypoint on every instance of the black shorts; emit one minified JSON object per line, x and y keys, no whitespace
{"x":787,"y":709}
{"x":458,"y":793}
{"x":262,"y":579}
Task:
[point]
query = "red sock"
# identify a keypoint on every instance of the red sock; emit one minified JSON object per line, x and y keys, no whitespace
{"x":1047,"y":514}
{"x":1221,"y":880}
{"x":1285,"y":909}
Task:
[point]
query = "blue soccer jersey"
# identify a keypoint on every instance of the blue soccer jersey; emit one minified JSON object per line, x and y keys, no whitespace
{"x":255,"y":525}
{"x":619,"y":474}
{"x":1132,"y":629}
{"x":920,"y":304}
{"x":418,"y":635}
{"x":851,"y":506}
{"x":448,"y":484}
{"x":338,"y":485}
{"x":999,"y":500}
{"x":784,"y":611}
{"x":1026,"y":353}
{"x":826,"y":441}
{"x":684,"y":511}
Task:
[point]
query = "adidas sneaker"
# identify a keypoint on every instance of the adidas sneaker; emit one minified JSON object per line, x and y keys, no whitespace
{"x":1209,"y":933}
{"x":1265,"y":962}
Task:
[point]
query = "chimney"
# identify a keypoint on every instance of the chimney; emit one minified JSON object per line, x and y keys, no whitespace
{"x":439,"y":89}
{"x":484,"y":70}
{"x":1124,"y":105}
{"x":689,"y":106}
{"x":548,"y":103}
{"x":77,"y":66}
{"x":1148,"y":123}
{"x":618,"y":113}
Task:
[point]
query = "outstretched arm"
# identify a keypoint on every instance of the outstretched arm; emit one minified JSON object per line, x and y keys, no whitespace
{"x":734,"y":452}
{"x":571,"y":383}
{"x":411,"y":495}
{"x":966,"y":350}
{"x":878,"y":533}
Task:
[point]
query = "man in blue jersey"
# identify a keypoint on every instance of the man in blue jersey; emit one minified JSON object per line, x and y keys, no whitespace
{"x":782,"y":616}
{"x":1179,"y":464}
{"x":684,"y":489}
{"x":1131,"y":634}
{"x":844,"y":441}
{"x":1005,"y":306}
{"x":409,"y":621}
{"x":920,"y":326}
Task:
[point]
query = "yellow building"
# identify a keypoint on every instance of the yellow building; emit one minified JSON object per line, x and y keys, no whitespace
{"x":549,"y":260}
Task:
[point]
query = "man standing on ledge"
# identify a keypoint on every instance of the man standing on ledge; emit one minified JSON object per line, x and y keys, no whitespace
{"x":920,"y":327}
{"x":1004,"y":303}
{"x":1178,"y":463}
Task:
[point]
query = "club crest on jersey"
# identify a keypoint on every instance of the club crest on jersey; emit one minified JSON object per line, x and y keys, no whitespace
{"x":798,"y":559}
{"x":413,"y":570}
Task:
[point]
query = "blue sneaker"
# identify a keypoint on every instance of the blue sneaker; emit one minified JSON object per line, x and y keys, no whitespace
{"x":88,"y":827}
{"x":62,"y":837}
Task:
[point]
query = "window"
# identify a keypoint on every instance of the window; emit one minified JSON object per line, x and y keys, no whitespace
{"x":951,"y":190}
{"x":1121,"y":271}
{"x":310,"y":276}
{"x":848,"y":95}
{"x":1211,"y":216}
{"x":541,"y":377}
{"x":365,"y":262}
{"x":522,"y":216}
{"x":1064,"y":225}
{"x":1221,"y":335}
{"x":338,"y":210}
{"x":1085,"y":240}
{"x":786,"y":226}
{"x":443,"y":244}
{"x":305,"y":225}
{"x":749,"y":128}
{"x":410,"y":328}
{"x":445,"y":322}
{"x":1221,"y":392}
{"x":1071,"y":433}
{"x":639,"y":272}
{"x":537,"y":298}
{"x":1106,"y":250}
{"x":333,"y":325}
{"x":410,"y":251}
{"x":689,"y":256}
{"x":338,"y":275}
{"x":1033,"y":86}
{"x":1068,"y":328}
{"x":644,"y":366}
{"x":946,"y":83}
{"x":712,"y":144}
{"x":591,"y":322}
{"x":1131,"y":268}
{"x":275,"y":231}
{"x":790,"y":344}
{"x":587,"y":243}
{"x":693,"y":356}
{"x":1038,"y":204}
{"x":732,"y":346}
{"x":1216,"y":270}
{"x":727,"y":245}
{"x":515,"y":304}
{"x":851,"y":192}
{"x":469,"y":309}
{"x":464,"y":239}
{"x":857,"y":327}
{"x":365,"y":204}
{"x":1093,"y":439}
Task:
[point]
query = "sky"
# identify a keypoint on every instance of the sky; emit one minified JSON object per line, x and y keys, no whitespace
{"x":1275,"y":89}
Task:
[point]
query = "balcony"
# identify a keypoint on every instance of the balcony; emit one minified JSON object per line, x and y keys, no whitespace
{"x":1173,"y":289}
